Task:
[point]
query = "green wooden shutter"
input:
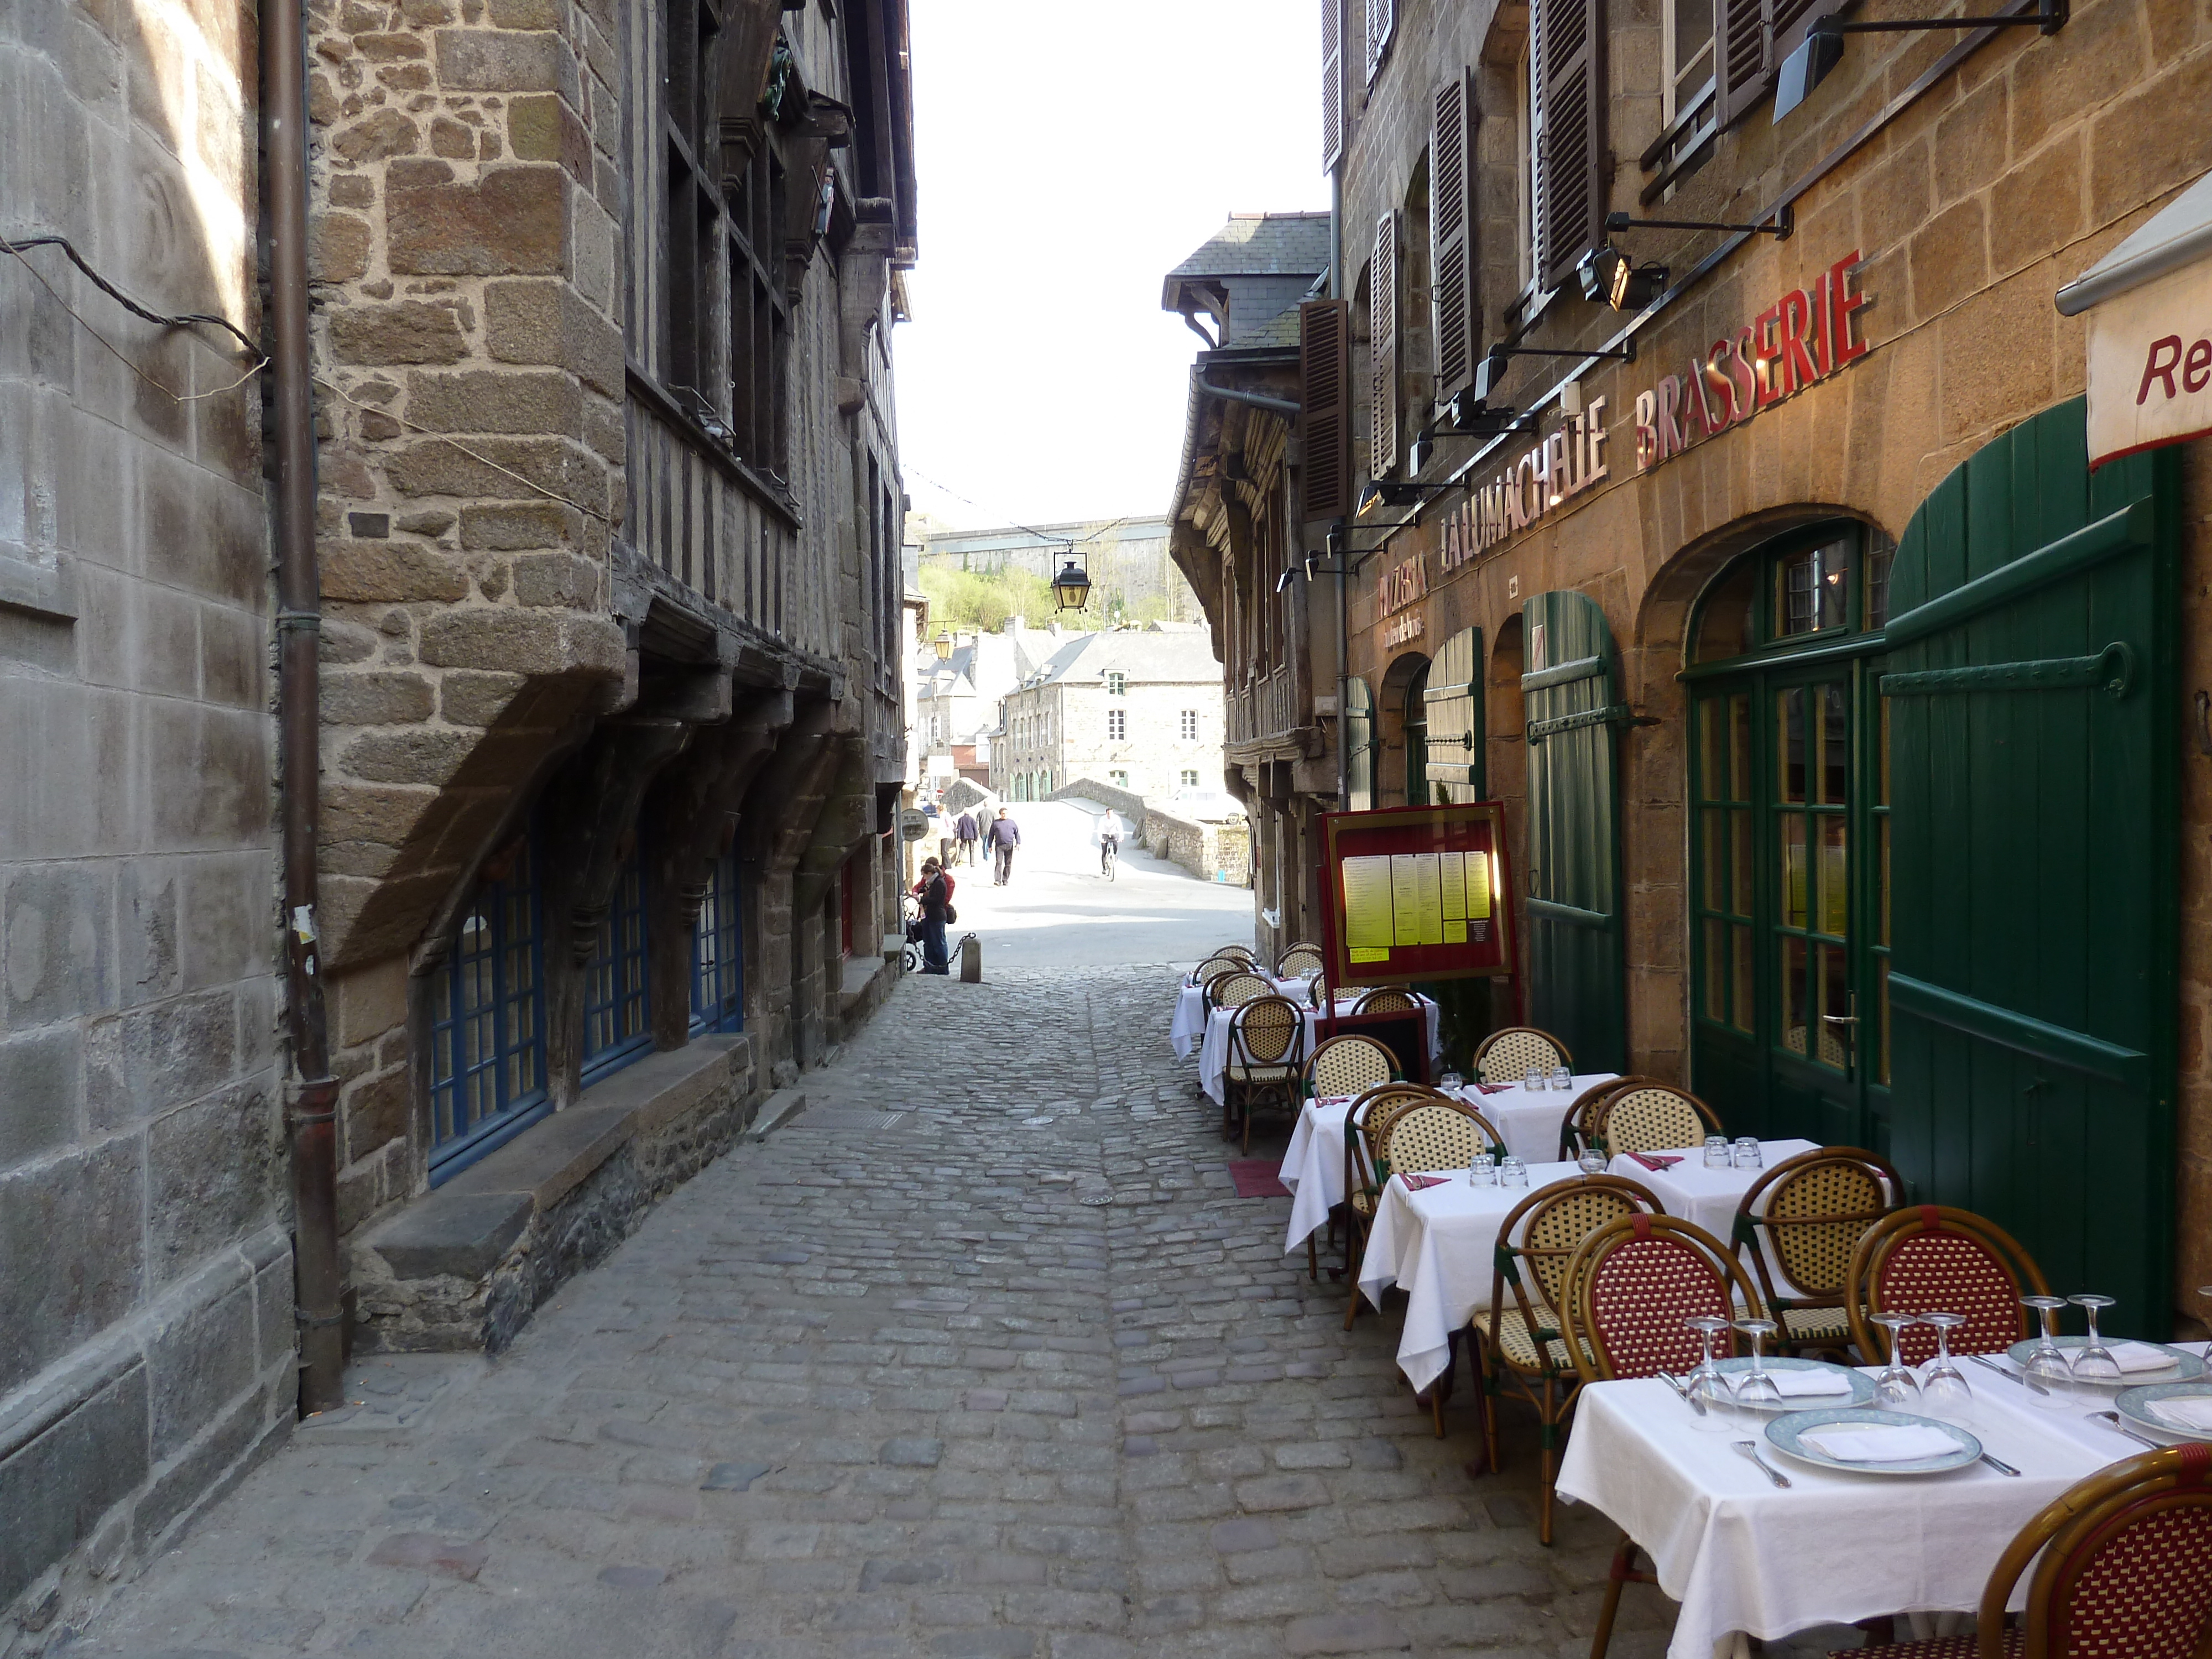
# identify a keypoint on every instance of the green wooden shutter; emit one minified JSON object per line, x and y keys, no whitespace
{"x":1577,"y":969}
{"x":2033,"y":1003}
{"x":1454,"y":696}
{"x":1358,"y":720}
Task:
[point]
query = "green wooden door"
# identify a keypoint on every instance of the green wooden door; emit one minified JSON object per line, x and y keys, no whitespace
{"x":2031,"y":696}
{"x":1454,"y":696}
{"x":1577,"y":968}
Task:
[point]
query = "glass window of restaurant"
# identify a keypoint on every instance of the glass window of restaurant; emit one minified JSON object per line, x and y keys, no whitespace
{"x":1789,"y":880}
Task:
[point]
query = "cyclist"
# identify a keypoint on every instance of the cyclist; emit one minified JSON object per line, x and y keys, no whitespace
{"x":1111,"y":827}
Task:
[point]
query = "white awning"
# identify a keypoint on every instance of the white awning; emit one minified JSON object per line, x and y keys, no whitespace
{"x":2179,"y":234}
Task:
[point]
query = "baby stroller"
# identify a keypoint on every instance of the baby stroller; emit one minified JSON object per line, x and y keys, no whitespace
{"x":910,"y":957}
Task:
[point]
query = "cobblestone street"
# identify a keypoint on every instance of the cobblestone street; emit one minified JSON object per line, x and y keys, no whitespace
{"x":899,"y":1380}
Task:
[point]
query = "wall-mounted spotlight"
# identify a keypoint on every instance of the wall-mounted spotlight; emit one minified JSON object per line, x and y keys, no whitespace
{"x":1499,"y":361}
{"x":1822,"y":49}
{"x":1779,"y":225}
{"x":1382,"y":492}
{"x":1608,"y":277}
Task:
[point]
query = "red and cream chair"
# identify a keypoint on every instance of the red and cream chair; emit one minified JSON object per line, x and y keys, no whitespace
{"x":1929,"y":1258}
{"x":1807,"y":1215}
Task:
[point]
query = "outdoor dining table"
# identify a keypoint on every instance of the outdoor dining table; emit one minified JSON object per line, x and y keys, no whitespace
{"x":1437,"y":1245}
{"x":1743,"y":1556}
{"x":1527,"y":1119}
{"x":1213,"y":1052}
{"x":1188,"y":1024}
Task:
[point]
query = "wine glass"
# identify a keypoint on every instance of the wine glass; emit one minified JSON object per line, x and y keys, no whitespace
{"x":1451,"y":1082}
{"x":1755,"y":1389}
{"x":1591,"y":1161}
{"x":2049,"y":1379}
{"x":1708,"y":1385}
{"x":2093,"y":1364}
{"x":1895,"y":1386}
{"x":1943,"y":1390}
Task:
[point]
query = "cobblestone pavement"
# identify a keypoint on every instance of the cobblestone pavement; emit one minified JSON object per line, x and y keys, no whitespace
{"x":896,"y":1382}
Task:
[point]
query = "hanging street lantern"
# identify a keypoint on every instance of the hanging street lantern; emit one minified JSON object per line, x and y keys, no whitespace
{"x":1071,"y":588}
{"x":943,"y":645}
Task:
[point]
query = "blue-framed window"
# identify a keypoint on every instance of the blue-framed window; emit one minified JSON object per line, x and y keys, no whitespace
{"x":488,"y":1019}
{"x":718,"y":967}
{"x":617,"y":1009}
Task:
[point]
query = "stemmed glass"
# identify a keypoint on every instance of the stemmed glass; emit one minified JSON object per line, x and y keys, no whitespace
{"x":1590,"y":1161}
{"x":1755,"y":1389}
{"x":1895,"y":1386}
{"x":1943,"y":1390}
{"x":1708,"y":1385}
{"x":2093,"y":1364}
{"x":2049,"y":1379}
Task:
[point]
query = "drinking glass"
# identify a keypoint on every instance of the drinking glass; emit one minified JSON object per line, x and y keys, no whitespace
{"x":1754,"y":1389}
{"x":2050,"y":1378}
{"x":1591,"y":1162}
{"x":1513,"y":1173}
{"x":1533,"y":1082}
{"x":1895,"y":1386}
{"x":1563,"y":1079}
{"x":1747,"y":1155}
{"x":2205,"y":1291}
{"x":2093,"y":1364}
{"x":1717,"y":1156}
{"x":1708,"y":1384}
{"x":1450,"y":1081}
{"x":1482,"y":1169}
{"x":1943,"y":1390}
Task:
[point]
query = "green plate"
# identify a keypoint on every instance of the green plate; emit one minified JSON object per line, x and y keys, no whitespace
{"x":2186,"y":1367}
{"x":1861,"y":1392}
{"x":1785,"y":1434}
{"x":2135,"y":1404}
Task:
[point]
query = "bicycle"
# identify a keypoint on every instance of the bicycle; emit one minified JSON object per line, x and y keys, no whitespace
{"x":1110,"y":855}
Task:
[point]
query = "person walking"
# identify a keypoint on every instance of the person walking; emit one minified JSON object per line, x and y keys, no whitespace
{"x":935,"y":891}
{"x":967,"y":833}
{"x":1108,"y":833}
{"x":1005,"y":835}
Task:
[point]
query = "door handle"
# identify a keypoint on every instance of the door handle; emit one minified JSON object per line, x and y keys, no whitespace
{"x":1841,"y":1019}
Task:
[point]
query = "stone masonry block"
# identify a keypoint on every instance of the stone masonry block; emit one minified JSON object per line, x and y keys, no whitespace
{"x":514,"y":526}
{"x":435,"y":467}
{"x":338,"y":249}
{"x":214,"y":1172}
{"x":382,"y":815}
{"x":454,"y":1234}
{"x":496,"y":400}
{"x":57,"y":944}
{"x":556,"y":579}
{"x":54,"y":1490}
{"x":470,"y":699}
{"x":512,"y":219}
{"x":423,"y":756}
{"x":549,"y":323}
{"x":148,"y":1060}
{"x":225,"y":916}
{"x":83,"y":1209}
{"x":41,"y":1086}
{"x":499,"y":60}
{"x":367,"y":1002}
{"x":377,"y":699}
{"x":395,"y":571}
{"x":383,"y":135}
{"x":197,"y":1361}
{"x":410,"y":331}
{"x":524,"y":642}
{"x":374,"y":1113}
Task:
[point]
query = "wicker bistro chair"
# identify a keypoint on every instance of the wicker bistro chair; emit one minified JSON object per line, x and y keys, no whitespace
{"x":1629,"y":1288}
{"x":1236,"y":988}
{"x":1216,"y":965}
{"x":1348,"y":1065}
{"x":1390,"y":1000}
{"x":1299,"y":962}
{"x":1651,"y":1117}
{"x":1930,"y":1258}
{"x":1267,"y":1044}
{"x":1409,"y":1126}
{"x":1365,"y":1169}
{"x":2122,"y":1567}
{"x":1510,"y":1055}
{"x":1806,"y":1215}
{"x":1578,"y":1129}
{"x":1520,"y":1344}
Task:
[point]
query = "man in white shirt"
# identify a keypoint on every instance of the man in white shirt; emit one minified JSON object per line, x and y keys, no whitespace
{"x":1110,"y":828}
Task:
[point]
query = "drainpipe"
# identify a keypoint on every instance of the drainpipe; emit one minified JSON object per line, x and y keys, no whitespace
{"x":1343,"y":607}
{"x":1283,"y":406}
{"x":311,"y":1113}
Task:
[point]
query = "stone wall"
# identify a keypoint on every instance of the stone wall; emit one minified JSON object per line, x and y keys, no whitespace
{"x":1219,"y":852}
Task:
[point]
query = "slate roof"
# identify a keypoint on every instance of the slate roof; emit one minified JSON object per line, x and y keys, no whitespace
{"x":1260,"y":245}
{"x":1148,"y":659}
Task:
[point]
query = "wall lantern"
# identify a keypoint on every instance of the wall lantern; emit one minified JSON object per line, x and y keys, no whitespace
{"x":1378,"y":492}
{"x":1608,"y":279}
{"x":1822,"y":48}
{"x":943,"y":645}
{"x":1070,"y":589}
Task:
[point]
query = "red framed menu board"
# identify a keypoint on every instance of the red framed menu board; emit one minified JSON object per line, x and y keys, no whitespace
{"x":1416,"y":892}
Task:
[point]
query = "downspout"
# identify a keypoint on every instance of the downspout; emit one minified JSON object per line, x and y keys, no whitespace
{"x":1343,"y":611}
{"x":311,"y":1113}
{"x":1283,"y":406}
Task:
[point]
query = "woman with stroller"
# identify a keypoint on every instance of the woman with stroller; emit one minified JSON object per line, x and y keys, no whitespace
{"x":934,"y":890}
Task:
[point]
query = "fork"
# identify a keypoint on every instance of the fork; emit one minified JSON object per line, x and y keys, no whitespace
{"x":2112,"y":1420}
{"x":1750,"y":1449}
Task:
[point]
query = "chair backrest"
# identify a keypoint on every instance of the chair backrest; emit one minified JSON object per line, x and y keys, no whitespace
{"x":1268,"y":1031}
{"x":1578,"y":1129}
{"x":1390,"y":1000}
{"x":1632,"y":1283}
{"x":1929,"y":1258}
{"x":1298,"y":961}
{"x":1317,"y":993}
{"x":1365,"y":1123}
{"x":2122,"y":1567}
{"x":1510,"y":1055}
{"x":1214,"y":966}
{"x":1810,"y":1212}
{"x":1541,"y":1233}
{"x":1651,"y":1117}
{"x":1348,"y":1065}
{"x":1437,"y":1133}
{"x":1241,"y":952}
{"x":1233,"y":990}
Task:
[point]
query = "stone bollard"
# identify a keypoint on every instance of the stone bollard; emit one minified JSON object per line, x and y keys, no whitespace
{"x":971,"y":960}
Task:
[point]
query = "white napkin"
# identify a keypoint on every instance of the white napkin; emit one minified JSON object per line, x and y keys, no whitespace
{"x":1880,"y":1442}
{"x":2140,"y":1357}
{"x":2190,"y":1413}
{"x":1797,"y":1385}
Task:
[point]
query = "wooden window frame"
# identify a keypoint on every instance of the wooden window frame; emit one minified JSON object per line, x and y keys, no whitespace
{"x":617,"y":979}
{"x":504,"y":959}
{"x":718,"y":964}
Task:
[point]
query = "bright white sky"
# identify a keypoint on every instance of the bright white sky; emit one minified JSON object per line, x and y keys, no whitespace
{"x":1070,"y":156}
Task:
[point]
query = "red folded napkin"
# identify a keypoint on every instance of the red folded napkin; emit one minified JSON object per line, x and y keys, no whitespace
{"x":1493,"y":1088}
{"x":1658,"y":1160}
{"x":1414,"y":1183}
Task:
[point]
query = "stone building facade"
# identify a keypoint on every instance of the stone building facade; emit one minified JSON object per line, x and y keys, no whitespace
{"x":1134,"y":708}
{"x":1775,"y":638}
{"x":611,"y":634}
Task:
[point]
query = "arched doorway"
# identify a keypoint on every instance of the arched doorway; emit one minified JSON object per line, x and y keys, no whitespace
{"x":1452,"y":747}
{"x":1401,"y":723}
{"x":1359,"y":722}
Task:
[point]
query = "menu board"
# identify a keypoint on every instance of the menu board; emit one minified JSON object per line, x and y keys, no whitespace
{"x":1415,"y":892}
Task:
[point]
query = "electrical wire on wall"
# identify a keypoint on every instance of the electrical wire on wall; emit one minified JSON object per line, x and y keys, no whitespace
{"x":193,"y":320}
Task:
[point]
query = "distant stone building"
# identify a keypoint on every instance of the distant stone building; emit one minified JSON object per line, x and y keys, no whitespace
{"x":1137,"y":709}
{"x":602,"y":496}
{"x":1127,"y":560}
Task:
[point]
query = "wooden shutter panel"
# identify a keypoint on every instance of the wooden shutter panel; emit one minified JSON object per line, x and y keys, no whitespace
{"x":1332,"y":82}
{"x":1574,"y":133}
{"x":1452,"y":235}
{"x":1743,"y":57}
{"x":1325,"y":378}
{"x":1382,"y":24}
{"x":1382,"y":349}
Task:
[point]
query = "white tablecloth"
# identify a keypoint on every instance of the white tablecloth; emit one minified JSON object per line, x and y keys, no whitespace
{"x":1531,"y":1122}
{"x":1741,"y":1554}
{"x":1436,"y":1245}
{"x":1213,"y":1054}
{"x":1313,"y":1167}
{"x":1691,"y":1192}
{"x":1189,"y":1022}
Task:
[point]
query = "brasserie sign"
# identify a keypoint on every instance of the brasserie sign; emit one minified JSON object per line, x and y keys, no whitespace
{"x":1561,"y":464}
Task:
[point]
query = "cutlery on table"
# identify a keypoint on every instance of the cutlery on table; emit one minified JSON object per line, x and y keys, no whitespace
{"x":2112,"y":1420}
{"x":1750,"y":1449}
{"x":1681,"y":1389}
{"x":2001,"y":1467}
{"x":2028,"y":1383}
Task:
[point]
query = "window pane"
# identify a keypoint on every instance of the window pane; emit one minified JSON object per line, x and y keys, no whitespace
{"x":1793,"y":995}
{"x":1739,"y":896}
{"x":1716,"y":970}
{"x":1835,"y":876}
{"x":1835,"y":746}
{"x":1714,"y":826}
{"x":1724,"y":625}
{"x":1740,"y":746}
{"x":1693,"y":41}
{"x":1877,"y":562}
{"x":1793,"y":870}
{"x":1789,"y":734}
{"x":1833,"y":999}
{"x":1743,"y":980}
{"x":1833,"y":563}
{"x":1712,"y":751}
{"x":1794,"y":578}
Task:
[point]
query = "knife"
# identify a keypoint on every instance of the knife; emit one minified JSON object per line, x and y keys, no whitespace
{"x":2025,"y":1381}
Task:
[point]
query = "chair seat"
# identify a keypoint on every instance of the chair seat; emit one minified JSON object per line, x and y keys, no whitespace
{"x":1362,"y":1202}
{"x":1940,"y":1647}
{"x":1261,"y":1073}
{"x":1834,"y":1323}
{"x":1518,"y":1344}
